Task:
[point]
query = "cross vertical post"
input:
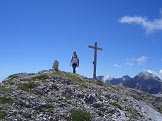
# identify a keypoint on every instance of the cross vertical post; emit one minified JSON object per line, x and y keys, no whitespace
{"x":95,"y":58}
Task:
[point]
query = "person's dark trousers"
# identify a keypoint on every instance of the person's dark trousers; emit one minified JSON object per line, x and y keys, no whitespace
{"x":74,"y":67}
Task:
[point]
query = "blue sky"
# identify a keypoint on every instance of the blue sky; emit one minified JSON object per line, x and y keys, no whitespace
{"x":33,"y":33}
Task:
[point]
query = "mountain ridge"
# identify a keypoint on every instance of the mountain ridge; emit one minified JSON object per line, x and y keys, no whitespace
{"x":144,"y":81}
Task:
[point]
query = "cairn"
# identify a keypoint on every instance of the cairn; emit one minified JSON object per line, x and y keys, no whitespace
{"x":55,"y":65}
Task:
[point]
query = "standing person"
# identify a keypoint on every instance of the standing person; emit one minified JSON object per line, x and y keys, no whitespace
{"x":74,"y":62}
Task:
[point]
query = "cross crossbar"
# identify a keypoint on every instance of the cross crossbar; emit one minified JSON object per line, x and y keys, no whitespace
{"x":94,"y":47}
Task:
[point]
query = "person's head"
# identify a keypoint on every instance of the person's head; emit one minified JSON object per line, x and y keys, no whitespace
{"x":74,"y":53}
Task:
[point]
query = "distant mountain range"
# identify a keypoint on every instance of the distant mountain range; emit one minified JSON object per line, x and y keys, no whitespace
{"x":144,"y":81}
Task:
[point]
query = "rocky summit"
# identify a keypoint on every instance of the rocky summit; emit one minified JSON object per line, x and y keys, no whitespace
{"x":63,"y":96}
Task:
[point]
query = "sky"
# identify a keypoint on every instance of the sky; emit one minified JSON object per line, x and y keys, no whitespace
{"x":34,"y":33}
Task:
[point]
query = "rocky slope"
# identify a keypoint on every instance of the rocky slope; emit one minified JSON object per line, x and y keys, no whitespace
{"x":62,"y":96}
{"x":144,"y":81}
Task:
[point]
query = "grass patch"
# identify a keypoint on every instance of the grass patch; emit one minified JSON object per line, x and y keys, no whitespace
{"x":158,"y":108}
{"x":67,"y":97}
{"x":112,"y":112}
{"x":12,"y":76}
{"x":54,"y":86}
{"x":9,"y":79}
{"x":40,"y":77}
{"x":117,"y":105}
{"x":27,"y":86}
{"x":99,"y":113}
{"x":5,"y":100}
{"x":49,"y":105}
{"x":26,"y":115}
{"x":84,"y":85}
{"x":133,"y":115}
{"x":99,"y":83}
{"x":59,"y":73}
{"x":5,"y":90}
{"x":69,"y":76}
{"x":80,"y":115}
{"x":3,"y":114}
{"x":105,"y":89}
{"x":99,"y":97}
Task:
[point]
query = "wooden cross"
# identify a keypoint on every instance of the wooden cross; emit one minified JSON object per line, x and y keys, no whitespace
{"x":95,"y":58}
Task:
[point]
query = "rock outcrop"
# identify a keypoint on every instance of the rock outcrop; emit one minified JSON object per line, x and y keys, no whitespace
{"x":63,"y":96}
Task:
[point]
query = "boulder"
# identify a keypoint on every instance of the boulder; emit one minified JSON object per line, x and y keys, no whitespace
{"x":90,"y":99}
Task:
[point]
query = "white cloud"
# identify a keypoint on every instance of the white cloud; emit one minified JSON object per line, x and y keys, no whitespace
{"x":148,"y":25}
{"x":130,"y":61}
{"x":139,"y":60}
{"x":117,"y":65}
{"x":130,"y":64}
{"x":106,"y":78}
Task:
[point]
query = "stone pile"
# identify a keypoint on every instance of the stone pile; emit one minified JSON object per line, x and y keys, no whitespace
{"x":55,"y":66}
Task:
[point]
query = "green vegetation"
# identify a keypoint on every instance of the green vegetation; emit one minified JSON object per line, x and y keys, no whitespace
{"x":5,"y":100}
{"x":99,"y":113}
{"x":41,"y":77}
{"x":27,"y":86}
{"x":76,"y":78}
{"x":67,"y":97}
{"x":5,"y":90}
{"x":49,"y":105}
{"x":112,"y":112}
{"x":158,"y":108}
{"x":139,"y":95}
{"x":69,"y":76}
{"x":84,"y":85}
{"x":9,"y":79}
{"x":26,"y":115}
{"x":12,"y":76}
{"x":99,"y":83}
{"x":3,"y":114}
{"x":117,"y":105}
{"x":99,"y":97}
{"x":105,"y":89}
{"x":80,"y":115}
{"x":59,"y":73}
{"x":133,"y":115}
{"x":54,"y":86}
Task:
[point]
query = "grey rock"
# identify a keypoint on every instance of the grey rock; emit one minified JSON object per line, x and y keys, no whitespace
{"x":97,"y":105}
{"x":90,"y":99}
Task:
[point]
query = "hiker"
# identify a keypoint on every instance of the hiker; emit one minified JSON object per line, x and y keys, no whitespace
{"x":74,"y":62}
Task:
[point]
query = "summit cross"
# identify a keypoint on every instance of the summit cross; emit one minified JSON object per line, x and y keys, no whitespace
{"x":95,"y":58}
